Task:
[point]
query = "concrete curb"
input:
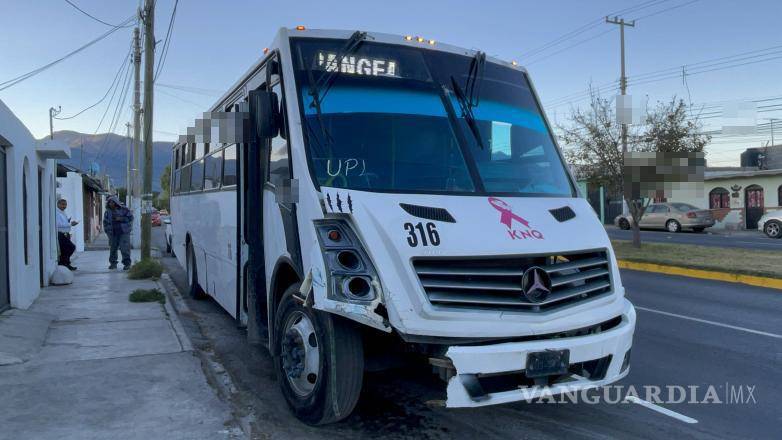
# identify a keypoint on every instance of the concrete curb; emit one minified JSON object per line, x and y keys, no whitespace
{"x":167,"y":285}
{"x":751,"y":280}
{"x":215,"y":372}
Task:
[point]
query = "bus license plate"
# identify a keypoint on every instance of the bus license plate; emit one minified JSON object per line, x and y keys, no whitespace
{"x":547,"y":363}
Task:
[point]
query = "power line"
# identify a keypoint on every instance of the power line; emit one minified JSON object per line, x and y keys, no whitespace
{"x":587,"y":26}
{"x":164,"y":51}
{"x":711,"y":65}
{"x":118,"y":111}
{"x":194,"y":90}
{"x":665,"y":10}
{"x":108,"y":106}
{"x":14,"y":81}
{"x":594,"y":24}
{"x":113,"y":82}
{"x":201,"y":106}
{"x":94,"y":17}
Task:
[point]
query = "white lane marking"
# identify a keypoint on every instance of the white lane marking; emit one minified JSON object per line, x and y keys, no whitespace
{"x":706,"y":321}
{"x":660,"y":409}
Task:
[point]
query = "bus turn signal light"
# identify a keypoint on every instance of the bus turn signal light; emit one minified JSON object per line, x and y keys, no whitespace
{"x":300,"y":28}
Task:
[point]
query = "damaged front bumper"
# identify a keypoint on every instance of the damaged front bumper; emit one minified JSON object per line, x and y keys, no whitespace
{"x":495,"y":374}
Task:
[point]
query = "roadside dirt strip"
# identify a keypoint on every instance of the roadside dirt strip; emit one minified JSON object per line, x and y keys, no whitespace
{"x":752,"y":280}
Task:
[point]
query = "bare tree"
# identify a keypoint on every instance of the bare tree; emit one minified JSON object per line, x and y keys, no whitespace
{"x":593,"y":137}
{"x":670,"y":129}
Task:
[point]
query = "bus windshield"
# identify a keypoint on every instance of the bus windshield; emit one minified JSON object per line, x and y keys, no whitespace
{"x":392,"y":120}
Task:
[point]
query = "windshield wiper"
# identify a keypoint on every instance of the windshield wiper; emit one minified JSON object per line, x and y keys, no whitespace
{"x":331,"y":68}
{"x":467,"y":113}
{"x":470,"y":98}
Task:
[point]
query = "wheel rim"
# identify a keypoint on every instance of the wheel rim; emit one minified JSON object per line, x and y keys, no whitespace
{"x":772,"y":229}
{"x":300,"y":353}
{"x":673,"y":226}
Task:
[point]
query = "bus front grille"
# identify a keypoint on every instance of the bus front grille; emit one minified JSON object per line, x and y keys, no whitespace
{"x":496,"y":282}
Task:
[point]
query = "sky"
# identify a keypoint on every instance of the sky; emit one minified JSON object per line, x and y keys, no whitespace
{"x":214,"y":42}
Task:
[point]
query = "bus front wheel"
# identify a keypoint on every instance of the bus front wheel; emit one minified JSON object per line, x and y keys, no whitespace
{"x":319,"y":361}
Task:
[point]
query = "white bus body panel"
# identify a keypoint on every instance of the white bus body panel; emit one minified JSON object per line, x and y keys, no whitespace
{"x":210,"y":219}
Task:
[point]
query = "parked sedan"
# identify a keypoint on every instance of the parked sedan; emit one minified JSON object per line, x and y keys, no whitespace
{"x":672,"y":217}
{"x":771,"y":224}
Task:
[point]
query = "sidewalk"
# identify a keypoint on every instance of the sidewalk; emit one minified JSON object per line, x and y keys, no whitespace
{"x":85,"y":363}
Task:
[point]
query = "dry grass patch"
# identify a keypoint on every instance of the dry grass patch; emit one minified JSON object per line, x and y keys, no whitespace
{"x":147,"y":295}
{"x":732,"y":260}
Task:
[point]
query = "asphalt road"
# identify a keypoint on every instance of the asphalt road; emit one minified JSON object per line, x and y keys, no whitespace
{"x":735,"y":239}
{"x":690,"y":333}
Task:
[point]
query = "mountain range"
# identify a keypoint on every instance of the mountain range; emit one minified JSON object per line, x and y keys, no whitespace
{"x":108,"y":151}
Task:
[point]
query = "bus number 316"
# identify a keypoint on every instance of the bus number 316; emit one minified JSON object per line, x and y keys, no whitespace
{"x":414,"y":231}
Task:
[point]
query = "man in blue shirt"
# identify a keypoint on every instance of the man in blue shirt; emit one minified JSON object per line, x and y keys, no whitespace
{"x":117,"y":223}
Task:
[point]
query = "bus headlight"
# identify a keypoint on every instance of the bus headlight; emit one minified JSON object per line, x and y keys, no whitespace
{"x":351,"y":275}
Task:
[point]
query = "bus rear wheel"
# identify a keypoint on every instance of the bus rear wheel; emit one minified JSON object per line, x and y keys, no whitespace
{"x":195,"y":290}
{"x":319,"y":361}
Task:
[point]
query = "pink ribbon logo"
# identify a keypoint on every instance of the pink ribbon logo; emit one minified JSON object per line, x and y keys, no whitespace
{"x":506,"y":213}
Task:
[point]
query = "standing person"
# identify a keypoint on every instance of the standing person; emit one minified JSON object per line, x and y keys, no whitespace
{"x":117,"y":223}
{"x":64,"y":224}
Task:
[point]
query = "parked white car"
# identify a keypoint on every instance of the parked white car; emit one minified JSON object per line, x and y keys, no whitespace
{"x":771,"y":224}
{"x":169,"y":233}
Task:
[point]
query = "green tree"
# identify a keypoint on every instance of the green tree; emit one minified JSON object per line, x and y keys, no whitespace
{"x":165,"y":179}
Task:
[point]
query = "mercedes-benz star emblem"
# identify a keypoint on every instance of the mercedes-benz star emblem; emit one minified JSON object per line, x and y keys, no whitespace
{"x":536,"y":284}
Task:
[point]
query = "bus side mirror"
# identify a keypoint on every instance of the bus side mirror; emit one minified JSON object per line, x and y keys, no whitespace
{"x":265,"y":111}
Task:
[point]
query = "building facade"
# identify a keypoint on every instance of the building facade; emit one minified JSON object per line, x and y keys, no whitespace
{"x":737,"y":197}
{"x":86,"y":199}
{"x":28,"y":239}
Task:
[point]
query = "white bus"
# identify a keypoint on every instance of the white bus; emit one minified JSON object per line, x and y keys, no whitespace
{"x":359,"y":196}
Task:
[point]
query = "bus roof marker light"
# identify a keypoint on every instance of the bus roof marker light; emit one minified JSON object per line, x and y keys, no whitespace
{"x":419,"y":39}
{"x":514,"y":63}
{"x":431,"y":42}
{"x":300,"y":28}
{"x":408,"y":38}
{"x":265,"y":50}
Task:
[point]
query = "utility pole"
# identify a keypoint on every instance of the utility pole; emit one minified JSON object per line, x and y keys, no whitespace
{"x":52,"y":113}
{"x":149,"y":64}
{"x":135,"y":236}
{"x":128,"y":177}
{"x":622,"y":79}
{"x":771,"y":120}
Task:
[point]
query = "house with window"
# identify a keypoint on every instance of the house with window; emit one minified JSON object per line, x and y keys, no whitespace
{"x":28,"y":238}
{"x":738,"y":198}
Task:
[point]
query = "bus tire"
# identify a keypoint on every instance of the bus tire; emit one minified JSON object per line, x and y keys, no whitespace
{"x":320,"y":361}
{"x":194,"y":289}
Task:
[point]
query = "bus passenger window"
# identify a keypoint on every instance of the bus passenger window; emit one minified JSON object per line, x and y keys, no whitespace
{"x":184,"y":179}
{"x":229,"y":166}
{"x":175,"y":185}
{"x":279,"y":168}
{"x":197,"y":176}
{"x":213,"y":168}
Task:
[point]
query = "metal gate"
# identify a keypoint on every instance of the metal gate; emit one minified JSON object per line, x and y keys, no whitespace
{"x":4,"y":284}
